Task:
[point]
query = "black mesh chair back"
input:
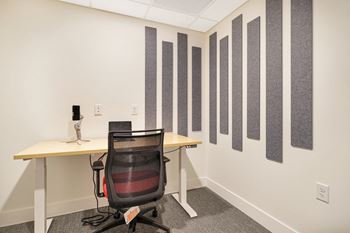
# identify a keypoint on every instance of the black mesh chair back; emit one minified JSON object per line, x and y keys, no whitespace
{"x":119,"y":126}
{"x":134,"y":168}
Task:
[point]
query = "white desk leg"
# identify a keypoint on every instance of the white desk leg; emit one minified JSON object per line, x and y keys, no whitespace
{"x":41,"y":225}
{"x":181,"y":197}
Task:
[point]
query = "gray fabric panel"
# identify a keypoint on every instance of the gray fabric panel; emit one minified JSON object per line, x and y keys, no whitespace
{"x":196,"y":89}
{"x":167,"y":86}
{"x":253,"y":79}
{"x":224,"y":85}
{"x":213,"y":88}
{"x":182,"y":77}
{"x":274,"y":81}
{"x":150,"y":78}
{"x":237,"y":83}
{"x":301,"y":109}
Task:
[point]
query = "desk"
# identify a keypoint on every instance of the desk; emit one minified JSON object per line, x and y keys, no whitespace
{"x":48,"y":149}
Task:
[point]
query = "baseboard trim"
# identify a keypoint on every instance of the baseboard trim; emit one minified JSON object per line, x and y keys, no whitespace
{"x":23,"y":215}
{"x":265,"y":219}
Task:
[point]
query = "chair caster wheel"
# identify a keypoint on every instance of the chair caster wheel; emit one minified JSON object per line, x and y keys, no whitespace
{"x":155,"y":213}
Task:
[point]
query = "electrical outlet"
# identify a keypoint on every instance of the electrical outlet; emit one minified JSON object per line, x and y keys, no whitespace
{"x":98,"y":109}
{"x":322,"y":192}
{"x":134,"y":109}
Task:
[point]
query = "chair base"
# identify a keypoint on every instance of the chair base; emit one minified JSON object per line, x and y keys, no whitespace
{"x":140,"y":218}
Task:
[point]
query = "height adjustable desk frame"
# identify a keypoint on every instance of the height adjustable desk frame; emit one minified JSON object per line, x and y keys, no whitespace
{"x":47,"y":149}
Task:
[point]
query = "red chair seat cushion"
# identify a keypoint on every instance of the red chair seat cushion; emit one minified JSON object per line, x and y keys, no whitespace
{"x":129,"y":184}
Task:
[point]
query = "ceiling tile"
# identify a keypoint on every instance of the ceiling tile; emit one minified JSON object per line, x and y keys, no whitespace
{"x":78,"y":2}
{"x":124,"y":7}
{"x":193,"y":7}
{"x":169,"y":17}
{"x":199,"y":15}
{"x":221,"y":8}
{"x":144,"y":1}
{"x":203,"y":25}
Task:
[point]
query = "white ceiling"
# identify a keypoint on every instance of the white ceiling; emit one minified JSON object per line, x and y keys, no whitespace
{"x":199,"y":15}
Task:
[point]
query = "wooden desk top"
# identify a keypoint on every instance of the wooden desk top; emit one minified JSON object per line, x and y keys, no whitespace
{"x":47,"y":149}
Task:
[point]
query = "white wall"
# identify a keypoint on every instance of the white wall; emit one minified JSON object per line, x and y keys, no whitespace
{"x":53,"y":55}
{"x":282,"y":196}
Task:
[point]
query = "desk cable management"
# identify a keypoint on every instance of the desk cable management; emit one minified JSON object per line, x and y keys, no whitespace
{"x":167,"y":152}
{"x":103,"y":216}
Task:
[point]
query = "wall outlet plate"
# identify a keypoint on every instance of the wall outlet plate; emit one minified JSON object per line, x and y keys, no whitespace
{"x":134,"y":109}
{"x":98,"y":109}
{"x":322,"y":192}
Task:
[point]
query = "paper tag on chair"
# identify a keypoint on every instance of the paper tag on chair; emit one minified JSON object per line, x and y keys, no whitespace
{"x":131,"y":214}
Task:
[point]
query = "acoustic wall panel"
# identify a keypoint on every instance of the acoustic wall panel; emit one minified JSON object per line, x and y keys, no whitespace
{"x":196,"y":89}
{"x":224,"y":85}
{"x":253,"y":79}
{"x":182,"y":87}
{"x":150,"y":78}
{"x":167,"y":86}
{"x":213,"y":88}
{"x":301,"y":67}
{"x":274,"y":81}
{"x":237,"y":83}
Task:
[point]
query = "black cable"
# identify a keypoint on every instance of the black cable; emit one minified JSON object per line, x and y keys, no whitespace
{"x":95,"y":194}
{"x":101,"y":157}
{"x":103,"y":216}
{"x":166,"y":152}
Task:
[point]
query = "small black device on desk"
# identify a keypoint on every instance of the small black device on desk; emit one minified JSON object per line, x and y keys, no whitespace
{"x":78,"y":119}
{"x":76,"y":112}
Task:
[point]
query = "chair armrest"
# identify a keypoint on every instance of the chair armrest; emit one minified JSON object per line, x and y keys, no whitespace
{"x":97,"y":166}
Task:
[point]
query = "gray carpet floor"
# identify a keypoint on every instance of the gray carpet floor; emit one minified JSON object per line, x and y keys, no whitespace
{"x":215,"y":215}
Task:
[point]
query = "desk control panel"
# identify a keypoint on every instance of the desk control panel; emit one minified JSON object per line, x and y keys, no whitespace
{"x":191,"y":146}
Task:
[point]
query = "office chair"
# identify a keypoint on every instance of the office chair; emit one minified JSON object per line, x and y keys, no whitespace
{"x":119,"y":126}
{"x":134,"y":175}
{"x":127,"y":126}
{"x":98,"y":165}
